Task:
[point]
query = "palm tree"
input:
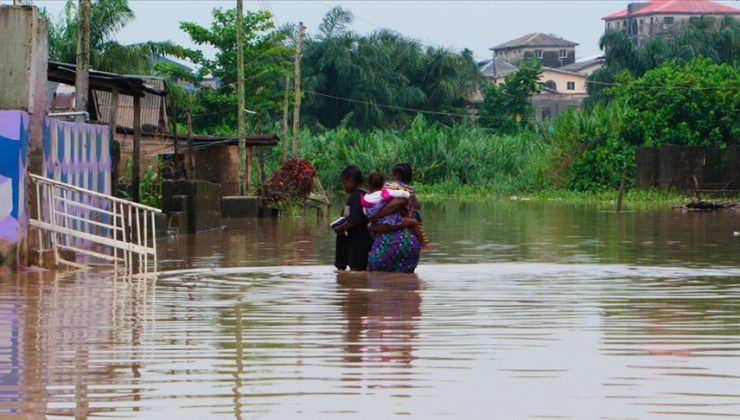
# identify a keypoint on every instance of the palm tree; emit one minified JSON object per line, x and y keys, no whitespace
{"x":107,"y":18}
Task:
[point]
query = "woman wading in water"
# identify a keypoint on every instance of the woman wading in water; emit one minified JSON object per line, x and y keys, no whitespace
{"x":353,"y":237}
{"x":396,"y":249}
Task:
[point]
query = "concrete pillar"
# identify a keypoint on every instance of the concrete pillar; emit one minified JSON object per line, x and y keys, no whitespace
{"x":23,"y":87}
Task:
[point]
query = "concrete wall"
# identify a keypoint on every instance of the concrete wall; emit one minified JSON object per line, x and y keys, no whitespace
{"x":21,"y":63}
{"x":219,"y":164}
{"x":152,"y":146}
{"x":14,"y":139}
{"x":202,"y":203}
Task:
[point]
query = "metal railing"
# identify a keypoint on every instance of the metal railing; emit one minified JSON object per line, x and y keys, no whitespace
{"x":94,"y":226}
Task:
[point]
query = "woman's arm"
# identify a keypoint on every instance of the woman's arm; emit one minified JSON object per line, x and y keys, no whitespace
{"x":393,"y":206}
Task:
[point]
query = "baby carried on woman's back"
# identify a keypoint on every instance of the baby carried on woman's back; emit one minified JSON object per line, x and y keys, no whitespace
{"x":376,"y":200}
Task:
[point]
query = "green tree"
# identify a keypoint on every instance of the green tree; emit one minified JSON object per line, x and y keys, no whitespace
{"x":379,"y":80}
{"x":507,"y":107}
{"x":693,"y":104}
{"x":716,"y":39}
{"x":107,"y":18}
{"x":266,"y":60}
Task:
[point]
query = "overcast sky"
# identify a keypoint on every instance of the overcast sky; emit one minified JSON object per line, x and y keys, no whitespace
{"x":476,"y":25}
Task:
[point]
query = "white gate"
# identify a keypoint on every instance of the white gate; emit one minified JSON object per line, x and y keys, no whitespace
{"x":94,"y":226}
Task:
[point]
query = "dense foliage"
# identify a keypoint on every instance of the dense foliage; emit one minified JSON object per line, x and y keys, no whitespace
{"x":378,"y":80}
{"x":709,"y":37}
{"x":294,"y":180}
{"x":266,"y":61}
{"x":458,"y":156}
{"x":693,"y":104}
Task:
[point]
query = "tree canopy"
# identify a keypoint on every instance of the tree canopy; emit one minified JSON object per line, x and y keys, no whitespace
{"x":715,"y":39}
{"x":506,"y":107}
{"x":266,"y":60}
{"x":107,"y":18}
{"x":379,"y":80}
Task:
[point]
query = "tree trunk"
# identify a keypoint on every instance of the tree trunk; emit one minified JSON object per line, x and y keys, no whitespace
{"x":240,"y":92}
{"x":286,"y":106}
{"x":82,"y":77}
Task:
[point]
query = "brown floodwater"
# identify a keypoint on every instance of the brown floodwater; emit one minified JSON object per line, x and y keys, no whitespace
{"x":525,"y":310}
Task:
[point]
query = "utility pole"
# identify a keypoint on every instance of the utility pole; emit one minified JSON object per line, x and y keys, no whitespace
{"x":297,"y":83}
{"x":240,"y":91}
{"x":284,"y":128}
{"x":82,"y":79}
{"x":174,"y":137}
{"x":191,"y":152}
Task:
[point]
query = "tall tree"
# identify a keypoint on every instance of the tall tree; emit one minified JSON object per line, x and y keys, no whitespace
{"x":506,"y":107}
{"x":266,"y":61}
{"x":380,"y":80}
{"x":107,"y":18}
{"x":716,"y":39}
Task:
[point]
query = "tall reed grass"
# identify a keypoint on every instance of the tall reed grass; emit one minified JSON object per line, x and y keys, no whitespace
{"x":460,"y":157}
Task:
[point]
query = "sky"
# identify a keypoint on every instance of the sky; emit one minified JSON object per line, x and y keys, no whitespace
{"x":476,"y":25}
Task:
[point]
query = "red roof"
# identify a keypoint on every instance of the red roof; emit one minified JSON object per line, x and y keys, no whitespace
{"x":677,"y":7}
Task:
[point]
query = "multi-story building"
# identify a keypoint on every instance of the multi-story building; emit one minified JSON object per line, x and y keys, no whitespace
{"x":552,"y":51}
{"x":641,"y":21}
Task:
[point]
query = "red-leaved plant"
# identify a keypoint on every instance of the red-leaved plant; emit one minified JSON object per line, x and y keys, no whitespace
{"x":294,"y":180}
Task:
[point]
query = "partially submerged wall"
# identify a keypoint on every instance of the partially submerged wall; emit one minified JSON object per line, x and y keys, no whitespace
{"x":686,"y":168}
{"x":14,"y":138}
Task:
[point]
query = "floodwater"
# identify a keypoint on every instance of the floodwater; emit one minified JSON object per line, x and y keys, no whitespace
{"x":526,"y":310}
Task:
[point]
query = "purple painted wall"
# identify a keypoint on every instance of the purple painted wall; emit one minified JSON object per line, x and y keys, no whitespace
{"x":14,"y":135}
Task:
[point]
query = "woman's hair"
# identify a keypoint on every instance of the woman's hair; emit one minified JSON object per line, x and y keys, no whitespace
{"x":353,"y":174}
{"x":375,"y":180}
{"x":404,"y":172}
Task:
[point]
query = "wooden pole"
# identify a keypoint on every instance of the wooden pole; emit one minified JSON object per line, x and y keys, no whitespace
{"x":286,"y":106}
{"x":113,"y":118}
{"x":297,"y":83}
{"x":137,"y":150}
{"x":82,"y":76}
{"x":240,"y":92}
{"x":621,"y":191}
{"x":191,"y":151}
{"x":175,"y":172}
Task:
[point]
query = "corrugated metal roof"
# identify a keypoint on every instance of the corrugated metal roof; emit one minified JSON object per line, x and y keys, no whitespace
{"x":537,"y":39}
{"x":676,"y":7}
{"x":497,"y":68}
{"x":151,"y":108}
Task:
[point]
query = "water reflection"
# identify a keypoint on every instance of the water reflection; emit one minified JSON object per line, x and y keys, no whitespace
{"x":382,"y":311}
{"x":59,"y":334}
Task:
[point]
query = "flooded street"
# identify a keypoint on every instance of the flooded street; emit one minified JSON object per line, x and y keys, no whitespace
{"x":525,"y":310}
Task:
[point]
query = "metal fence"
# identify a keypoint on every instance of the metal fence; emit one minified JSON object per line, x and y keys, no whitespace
{"x":98,"y":229}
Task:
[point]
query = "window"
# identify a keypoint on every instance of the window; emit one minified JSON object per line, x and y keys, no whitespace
{"x":545,"y":114}
{"x":668,"y":20}
{"x":608,"y":25}
{"x":571,"y":85}
{"x":550,"y":84}
{"x":538,"y":53}
{"x":563,"y":53}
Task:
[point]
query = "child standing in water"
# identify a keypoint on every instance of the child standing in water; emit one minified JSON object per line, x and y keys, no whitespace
{"x":377,"y":199}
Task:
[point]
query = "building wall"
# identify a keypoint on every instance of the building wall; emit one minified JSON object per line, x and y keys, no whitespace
{"x":550,"y":55}
{"x":219,"y":164}
{"x":14,"y":139}
{"x":561,"y":81}
{"x":642,"y":28}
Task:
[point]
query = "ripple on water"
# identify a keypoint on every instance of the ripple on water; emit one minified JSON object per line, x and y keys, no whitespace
{"x":454,"y":341}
